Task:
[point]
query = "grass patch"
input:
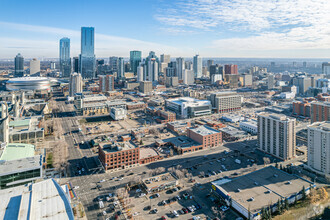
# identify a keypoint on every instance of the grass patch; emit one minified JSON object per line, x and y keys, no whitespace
{"x":50,"y":160}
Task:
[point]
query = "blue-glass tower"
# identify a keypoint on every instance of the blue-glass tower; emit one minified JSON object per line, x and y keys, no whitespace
{"x":65,"y":60}
{"x":87,"y":56}
{"x":135,"y":59}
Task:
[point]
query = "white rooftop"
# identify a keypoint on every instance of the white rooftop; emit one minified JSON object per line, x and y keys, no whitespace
{"x":43,"y":200}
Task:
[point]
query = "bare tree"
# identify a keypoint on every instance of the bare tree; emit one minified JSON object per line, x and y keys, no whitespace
{"x":266,"y":160}
{"x":202,"y":173}
{"x":171,"y":169}
{"x":179,"y":167}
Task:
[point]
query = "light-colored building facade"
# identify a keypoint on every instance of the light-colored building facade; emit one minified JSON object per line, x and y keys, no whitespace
{"x":226,"y":101}
{"x":319,"y":147}
{"x":198,"y":66}
{"x":118,"y":113}
{"x":249,"y":126}
{"x":75,"y":85}
{"x":277,"y":135}
{"x":186,"y":107}
{"x":34,"y":66}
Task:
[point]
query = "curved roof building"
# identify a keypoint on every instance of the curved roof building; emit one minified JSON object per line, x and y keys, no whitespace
{"x":28,"y":83}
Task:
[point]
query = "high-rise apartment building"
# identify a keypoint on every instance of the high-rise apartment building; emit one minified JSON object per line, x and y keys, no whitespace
{"x":302,"y":83}
{"x":113,"y":64}
{"x":216,"y":69}
{"x":226,"y":101}
{"x":188,"y":77}
{"x":140,"y":72}
{"x":247,"y":80}
{"x":180,"y":63}
{"x":34,"y":66}
{"x":106,"y":83}
{"x":76,"y":84}
{"x":320,"y":111}
{"x":165,"y":58}
{"x":135,"y":59}
{"x":231,"y":69}
{"x":87,"y":56}
{"x":326,"y":69}
{"x":318,"y":152}
{"x":151,"y":71}
{"x":270,"y":81}
{"x":209,"y":63}
{"x":277,"y":135}
{"x":19,"y":66}
{"x":65,"y":60}
{"x":198,"y":66}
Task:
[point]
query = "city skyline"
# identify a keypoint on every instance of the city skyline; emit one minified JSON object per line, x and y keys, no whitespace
{"x":181,"y":28}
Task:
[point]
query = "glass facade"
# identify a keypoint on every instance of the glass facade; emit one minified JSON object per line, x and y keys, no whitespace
{"x":135,"y":59}
{"x":21,"y":176}
{"x":19,"y":66}
{"x":87,"y":56}
{"x":65,"y":60}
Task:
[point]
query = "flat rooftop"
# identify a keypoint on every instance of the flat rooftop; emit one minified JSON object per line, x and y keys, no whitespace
{"x":15,"y":151}
{"x":180,"y":141}
{"x":324,"y":126}
{"x":147,"y":152}
{"x":20,"y":165}
{"x":266,"y":186}
{"x":42,"y":200}
{"x":178,"y":124}
{"x":275,"y":116}
{"x":155,"y":181}
{"x":112,"y":147}
{"x":204,"y":130}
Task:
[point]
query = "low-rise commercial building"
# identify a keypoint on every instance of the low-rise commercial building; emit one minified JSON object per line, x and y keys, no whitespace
{"x":250,"y":193}
{"x":25,"y":130}
{"x":159,"y":183}
{"x":186,"y":107}
{"x":205,"y":135}
{"x":115,"y":156}
{"x":182,"y":144}
{"x":118,"y":113}
{"x":231,"y":133}
{"x":250,"y":126}
{"x":178,"y":126}
{"x":42,"y":200}
{"x":19,"y":165}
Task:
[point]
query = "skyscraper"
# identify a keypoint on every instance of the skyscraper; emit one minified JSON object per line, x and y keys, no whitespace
{"x":65,"y":60}
{"x":34,"y":66}
{"x":87,"y":56}
{"x":140,"y":72}
{"x":19,"y":66}
{"x":231,"y":69}
{"x":270,"y":81}
{"x":326,"y":69}
{"x":165,"y":58}
{"x":75,"y":62}
{"x":75,"y":85}
{"x":113,"y":64}
{"x":135,"y":59}
{"x":209,"y":63}
{"x":180,"y":64}
{"x":152,"y":70}
{"x":197,"y":66}
{"x":216,"y":69}
{"x":121,"y":72}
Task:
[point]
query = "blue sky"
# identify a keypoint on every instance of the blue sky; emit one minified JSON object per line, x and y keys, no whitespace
{"x":212,"y":28}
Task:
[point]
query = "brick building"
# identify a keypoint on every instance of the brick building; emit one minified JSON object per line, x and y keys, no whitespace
{"x":231,"y":69}
{"x":302,"y":108}
{"x":205,"y":135}
{"x":114,"y":155}
{"x":320,"y":111}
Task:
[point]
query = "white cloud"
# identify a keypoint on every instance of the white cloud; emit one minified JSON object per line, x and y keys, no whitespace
{"x":105,"y":45}
{"x":255,"y":24}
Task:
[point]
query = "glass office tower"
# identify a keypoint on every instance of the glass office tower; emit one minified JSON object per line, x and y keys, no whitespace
{"x":19,"y":66}
{"x":135,"y":59}
{"x":87,"y":56}
{"x":65,"y":60}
